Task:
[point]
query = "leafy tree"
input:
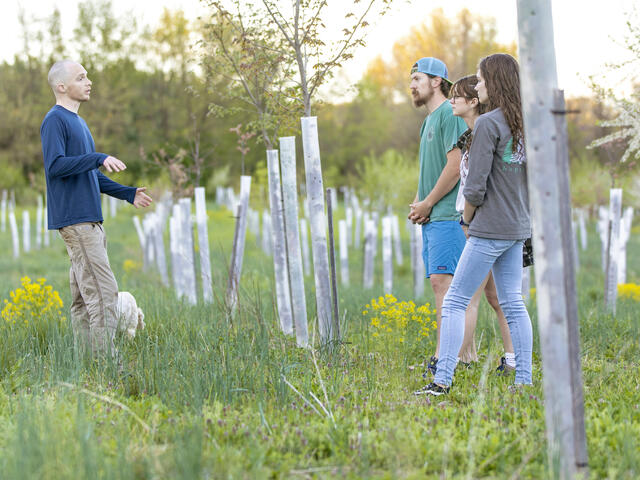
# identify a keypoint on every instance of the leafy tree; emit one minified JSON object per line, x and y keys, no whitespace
{"x":460,"y":42}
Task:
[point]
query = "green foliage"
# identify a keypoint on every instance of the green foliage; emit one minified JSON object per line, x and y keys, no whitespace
{"x":389,"y":180}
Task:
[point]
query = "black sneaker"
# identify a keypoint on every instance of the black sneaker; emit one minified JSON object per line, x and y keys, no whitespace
{"x":504,"y":370}
{"x":432,"y":389}
{"x":431,"y":367}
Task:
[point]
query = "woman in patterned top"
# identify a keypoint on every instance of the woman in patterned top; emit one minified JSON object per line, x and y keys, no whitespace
{"x":466,"y":105}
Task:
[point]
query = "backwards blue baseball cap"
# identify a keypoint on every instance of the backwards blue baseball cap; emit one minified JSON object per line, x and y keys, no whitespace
{"x":432,"y":66}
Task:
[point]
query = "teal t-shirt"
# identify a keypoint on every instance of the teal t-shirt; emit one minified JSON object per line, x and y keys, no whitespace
{"x":439,"y":133}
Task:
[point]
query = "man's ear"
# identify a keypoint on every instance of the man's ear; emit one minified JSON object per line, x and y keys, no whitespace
{"x":436,"y":81}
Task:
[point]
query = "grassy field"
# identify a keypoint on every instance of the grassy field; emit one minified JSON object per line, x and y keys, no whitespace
{"x":203,"y":397}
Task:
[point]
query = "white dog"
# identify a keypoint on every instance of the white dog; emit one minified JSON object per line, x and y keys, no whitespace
{"x":130,"y":317}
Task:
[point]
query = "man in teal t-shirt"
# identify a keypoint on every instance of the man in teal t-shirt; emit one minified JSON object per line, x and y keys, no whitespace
{"x":435,"y":204}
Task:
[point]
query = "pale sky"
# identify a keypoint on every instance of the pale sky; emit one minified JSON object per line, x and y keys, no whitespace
{"x":588,"y":33}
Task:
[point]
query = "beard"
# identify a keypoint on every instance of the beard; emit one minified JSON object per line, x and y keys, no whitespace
{"x":421,"y":100}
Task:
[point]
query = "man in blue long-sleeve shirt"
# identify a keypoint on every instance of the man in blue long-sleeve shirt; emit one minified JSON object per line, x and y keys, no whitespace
{"x":74,"y":184}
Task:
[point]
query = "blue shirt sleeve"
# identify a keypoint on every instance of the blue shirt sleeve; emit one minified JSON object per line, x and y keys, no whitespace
{"x":56,"y":164}
{"x":114,"y":189}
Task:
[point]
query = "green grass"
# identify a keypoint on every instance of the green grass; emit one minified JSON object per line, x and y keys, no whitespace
{"x":203,"y":397}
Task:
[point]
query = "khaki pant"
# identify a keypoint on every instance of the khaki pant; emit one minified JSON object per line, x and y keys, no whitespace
{"x":94,"y":289}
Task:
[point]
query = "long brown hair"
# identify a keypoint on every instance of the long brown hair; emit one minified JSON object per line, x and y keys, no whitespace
{"x":502,"y":79}
{"x":465,"y":87}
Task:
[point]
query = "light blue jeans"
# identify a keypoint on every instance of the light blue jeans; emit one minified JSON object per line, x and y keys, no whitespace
{"x":504,"y":258}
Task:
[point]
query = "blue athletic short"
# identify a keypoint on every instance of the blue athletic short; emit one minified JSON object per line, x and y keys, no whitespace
{"x":442,"y":245}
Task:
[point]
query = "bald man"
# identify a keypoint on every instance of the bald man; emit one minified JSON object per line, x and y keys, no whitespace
{"x":74,"y":185}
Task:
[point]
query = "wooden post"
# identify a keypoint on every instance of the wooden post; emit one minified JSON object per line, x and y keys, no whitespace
{"x":235,"y":268}
{"x":416,"y":261}
{"x":315,"y":197}
{"x":15,"y":236}
{"x":294,"y":254}
{"x":253,"y":224}
{"x":113,"y":206}
{"x":582,"y":227}
{"x":387,"y":260}
{"x":304,"y":238}
{"x":625,"y":233}
{"x":613,"y":244}
{"x":397,"y":241}
{"x":26,"y":231}
{"x":554,"y":272}
{"x":39,"y":223}
{"x":344,"y":252}
{"x":603,"y":231}
{"x":174,"y":242}
{"x":331,"y":196}
{"x":283,"y":292}
{"x":203,"y":244}
{"x":348,"y":212}
{"x":187,"y":252}
{"x":267,"y":235}
{"x":375,"y":216}
{"x":3,"y":212}
{"x":141,"y":240}
{"x":358,"y":228}
{"x":368,"y":255}
{"x":45,"y":224}
{"x":149,"y":247}
{"x":158,"y":241}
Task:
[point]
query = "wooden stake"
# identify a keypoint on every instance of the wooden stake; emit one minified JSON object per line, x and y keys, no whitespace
{"x":187,"y":252}
{"x":397,"y":241}
{"x":304,"y":238}
{"x":15,"y":236}
{"x":331,"y":196}
{"x":611,"y":277}
{"x":39,"y":223}
{"x":387,"y":259}
{"x":283,"y":292}
{"x":554,"y":272}
{"x":416,"y":260}
{"x":344,"y":252}
{"x":625,"y":233}
{"x":267,"y":235}
{"x":235,"y":268}
{"x":368,"y":255}
{"x":203,"y":243}
{"x":3,"y":212}
{"x":294,"y":254}
{"x":315,"y":197}
{"x":26,"y":231}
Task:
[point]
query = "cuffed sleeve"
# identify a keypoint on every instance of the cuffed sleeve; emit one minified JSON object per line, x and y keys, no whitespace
{"x":114,"y":189}
{"x":480,"y":161}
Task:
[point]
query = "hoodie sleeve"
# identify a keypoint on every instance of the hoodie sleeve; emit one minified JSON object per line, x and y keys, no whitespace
{"x":483,"y":145}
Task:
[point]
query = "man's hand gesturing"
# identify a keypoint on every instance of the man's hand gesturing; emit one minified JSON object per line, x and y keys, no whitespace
{"x":112,"y":164}
{"x":142,"y":199}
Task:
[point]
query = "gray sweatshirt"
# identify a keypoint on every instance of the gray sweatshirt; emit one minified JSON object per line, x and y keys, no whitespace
{"x":497,"y":181}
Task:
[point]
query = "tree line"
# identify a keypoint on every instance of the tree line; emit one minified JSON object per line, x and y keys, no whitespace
{"x":160,"y":104}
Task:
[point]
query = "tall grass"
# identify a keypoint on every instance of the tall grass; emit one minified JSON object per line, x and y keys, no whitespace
{"x":206,"y":395}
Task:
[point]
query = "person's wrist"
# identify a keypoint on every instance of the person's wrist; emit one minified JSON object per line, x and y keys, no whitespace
{"x":463,"y":222}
